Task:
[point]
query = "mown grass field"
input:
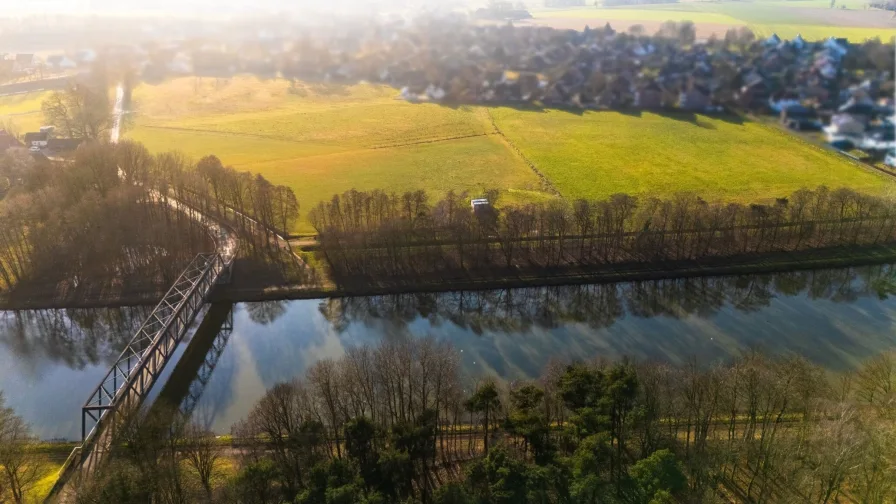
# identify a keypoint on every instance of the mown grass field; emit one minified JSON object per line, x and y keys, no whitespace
{"x":23,"y":110}
{"x":321,"y":141}
{"x":642,"y":15}
{"x":764,"y":11}
{"x":813,"y":19}
{"x":597,"y":154}
{"x":813,"y":32}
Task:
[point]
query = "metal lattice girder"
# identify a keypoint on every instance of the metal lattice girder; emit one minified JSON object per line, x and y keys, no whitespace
{"x":197,"y":387}
{"x":135,"y":371}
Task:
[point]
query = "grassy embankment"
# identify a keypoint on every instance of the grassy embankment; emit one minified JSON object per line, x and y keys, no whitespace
{"x":51,"y":456}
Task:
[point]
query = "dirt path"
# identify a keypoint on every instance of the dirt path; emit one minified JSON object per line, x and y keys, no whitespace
{"x":117,"y":112}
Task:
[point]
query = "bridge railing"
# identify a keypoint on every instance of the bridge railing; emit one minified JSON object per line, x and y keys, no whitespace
{"x":135,"y":371}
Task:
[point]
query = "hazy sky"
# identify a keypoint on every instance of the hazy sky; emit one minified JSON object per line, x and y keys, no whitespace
{"x":208,"y":7}
{"x":130,"y":6}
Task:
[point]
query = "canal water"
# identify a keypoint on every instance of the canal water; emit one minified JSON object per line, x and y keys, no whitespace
{"x":51,"y":360}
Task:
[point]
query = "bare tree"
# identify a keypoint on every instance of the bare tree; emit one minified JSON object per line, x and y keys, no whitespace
{"x":22,"y":469}
{"x":201,"y":451}
{"x":11,"y":128}
{"x":876,"y":381}
{"x":836,"y":453}
{"x":79,"y":111}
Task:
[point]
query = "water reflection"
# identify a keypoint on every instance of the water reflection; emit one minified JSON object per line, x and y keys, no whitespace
{"x":266,"y":312}
{"x":600,"y":306}
{"x":75,"y":338}
{"x":196,"y":364}
{"x":835,"y":318}
{"x":50,"y":361}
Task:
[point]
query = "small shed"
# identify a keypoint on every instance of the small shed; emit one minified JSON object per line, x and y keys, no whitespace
{"x":479,"y":204}
{"x":845,"y":125}
{"x":63,"y":146}
{"x":34,"y":139}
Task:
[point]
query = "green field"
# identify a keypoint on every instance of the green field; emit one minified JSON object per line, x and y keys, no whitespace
{"x":23,"y":110}
{"x":813,"y":19}
{"x":813,"y":32}
{"x":694,"y":15}
{"x":42,"y":489}
{"x":325,"y":140}
{"x":741,"y":12}
{"x":601,"y":153}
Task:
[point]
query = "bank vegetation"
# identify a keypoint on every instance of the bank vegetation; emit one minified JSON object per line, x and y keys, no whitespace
{"x":398,"y":422}
{"x":106,"y":222}
{"x":378,"y":236}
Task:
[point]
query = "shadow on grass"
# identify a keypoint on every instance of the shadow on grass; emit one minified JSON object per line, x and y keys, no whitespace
{"x":668,"y":113}
{"x":341,"y":88}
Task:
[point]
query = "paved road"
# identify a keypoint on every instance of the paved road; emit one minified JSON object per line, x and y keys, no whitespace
{"x":117,"y":112}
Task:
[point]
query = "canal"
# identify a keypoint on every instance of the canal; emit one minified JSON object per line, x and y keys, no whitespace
{"x":50,"y":360}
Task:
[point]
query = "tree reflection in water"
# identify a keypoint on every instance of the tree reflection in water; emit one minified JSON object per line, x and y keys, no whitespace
{"x":266,"y":312}
{"x":76,"y":338}
{"x":600,"y":305}
{"x":83,"y":337}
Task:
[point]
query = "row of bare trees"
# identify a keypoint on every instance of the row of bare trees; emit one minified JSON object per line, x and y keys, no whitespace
{"x":104,"y":214}
{"x":377,"y":233}
{"x":261,"y":212}
{"x":210,"y":186}
{"x":76,"y":221}
{"x":398,"y":422}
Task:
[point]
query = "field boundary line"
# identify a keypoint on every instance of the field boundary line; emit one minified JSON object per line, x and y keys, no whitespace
{"x":547,"y":183}
{"x":233,"y":133}
{"x":434,"y":140}
{"x":315,"y":142}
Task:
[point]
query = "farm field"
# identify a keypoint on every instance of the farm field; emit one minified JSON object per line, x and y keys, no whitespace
{"x":325,"y":140}
{"x":23,"y":110}
{"x":694,"y":15}
{"x":812,"y":19}
{"x":601,"y":153}
{"x":321,"y":141}
{"x":812,"y":32}
{"x":779,"y":12}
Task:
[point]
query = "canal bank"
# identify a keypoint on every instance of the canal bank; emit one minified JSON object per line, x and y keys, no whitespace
{"x":248,"y":287}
